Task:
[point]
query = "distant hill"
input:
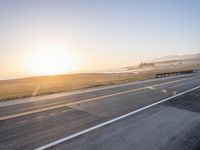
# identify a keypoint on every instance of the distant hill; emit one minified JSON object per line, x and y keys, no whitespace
{"x":177,"y":57}
{"x":176,"y":61}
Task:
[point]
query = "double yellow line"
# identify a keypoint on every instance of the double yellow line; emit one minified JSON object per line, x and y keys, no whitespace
{"x":87,"y":100}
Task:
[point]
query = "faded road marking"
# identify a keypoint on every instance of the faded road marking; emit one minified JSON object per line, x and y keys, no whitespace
{"x":111,"y":121}
{"x":88,"y":100}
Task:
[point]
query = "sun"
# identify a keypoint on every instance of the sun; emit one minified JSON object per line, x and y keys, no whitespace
{"x":51,"y":60}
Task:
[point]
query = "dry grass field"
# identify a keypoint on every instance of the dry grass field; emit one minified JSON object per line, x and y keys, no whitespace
{"x":32,"y":86}
{"x":17,"y":88}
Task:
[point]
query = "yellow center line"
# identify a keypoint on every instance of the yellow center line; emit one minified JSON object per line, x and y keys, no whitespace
{"x":86,"y":100}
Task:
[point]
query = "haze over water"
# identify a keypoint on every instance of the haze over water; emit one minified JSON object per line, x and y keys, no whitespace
{"x":48,"y":37}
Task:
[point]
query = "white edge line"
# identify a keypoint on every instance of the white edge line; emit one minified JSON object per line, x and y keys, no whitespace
{"x":111,"y":121}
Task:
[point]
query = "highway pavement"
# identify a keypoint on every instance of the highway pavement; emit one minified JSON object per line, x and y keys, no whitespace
{"x":152,"y":114}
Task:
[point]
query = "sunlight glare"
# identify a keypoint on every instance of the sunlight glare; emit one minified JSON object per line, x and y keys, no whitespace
{"x":51,"y":60}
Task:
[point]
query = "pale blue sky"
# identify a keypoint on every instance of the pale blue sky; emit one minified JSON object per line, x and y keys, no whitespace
{"x":104,"y":34}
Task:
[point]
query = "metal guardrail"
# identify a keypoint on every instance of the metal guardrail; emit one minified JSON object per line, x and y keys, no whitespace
{"x":168,"y":74}
{"x":196,"y":70}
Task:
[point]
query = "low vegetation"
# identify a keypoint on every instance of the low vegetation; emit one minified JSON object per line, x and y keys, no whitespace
{"x":17,"y":88}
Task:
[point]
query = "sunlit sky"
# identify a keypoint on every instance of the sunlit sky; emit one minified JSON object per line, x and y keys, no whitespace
{"x":63,"y":36}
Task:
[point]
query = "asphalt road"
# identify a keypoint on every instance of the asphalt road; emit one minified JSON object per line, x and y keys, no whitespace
{"x":173,"y":124}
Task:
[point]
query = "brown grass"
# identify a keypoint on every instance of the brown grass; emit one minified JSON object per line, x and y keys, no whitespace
{"x":17,"y":88}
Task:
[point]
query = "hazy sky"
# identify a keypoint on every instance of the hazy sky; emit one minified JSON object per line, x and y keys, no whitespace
{"x":99,"y":34}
